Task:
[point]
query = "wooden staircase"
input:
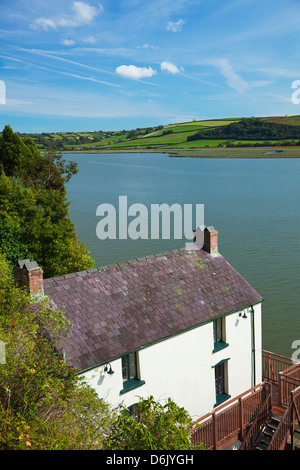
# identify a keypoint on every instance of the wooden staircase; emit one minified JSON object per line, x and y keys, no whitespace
{"x":270,"y":428}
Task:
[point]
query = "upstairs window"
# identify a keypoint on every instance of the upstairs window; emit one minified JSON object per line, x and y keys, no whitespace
{"x":219,"y":334}
{"x":130,"y":372}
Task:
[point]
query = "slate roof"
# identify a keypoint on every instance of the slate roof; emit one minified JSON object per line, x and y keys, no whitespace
{"x":119,"y":308}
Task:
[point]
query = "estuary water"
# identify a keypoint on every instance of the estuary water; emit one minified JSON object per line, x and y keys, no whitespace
{"x":253,"y":203}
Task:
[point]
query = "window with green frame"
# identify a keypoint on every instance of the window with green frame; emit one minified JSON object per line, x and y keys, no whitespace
{"x":221,"y":382}
{"x":130,"y":372}
{"x":219,"y":334}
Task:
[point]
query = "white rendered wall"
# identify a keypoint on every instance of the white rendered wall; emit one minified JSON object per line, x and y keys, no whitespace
{"x":182,"y":367}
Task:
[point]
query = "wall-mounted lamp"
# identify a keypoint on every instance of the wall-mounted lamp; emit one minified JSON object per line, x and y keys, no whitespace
{"x":108,"y":370}
{"x":244,"y":314}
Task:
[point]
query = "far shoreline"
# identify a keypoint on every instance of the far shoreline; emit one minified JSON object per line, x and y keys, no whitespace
{"x":211,"y":152}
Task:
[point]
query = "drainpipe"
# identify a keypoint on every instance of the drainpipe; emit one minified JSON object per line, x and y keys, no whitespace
{"x":253,"y":347}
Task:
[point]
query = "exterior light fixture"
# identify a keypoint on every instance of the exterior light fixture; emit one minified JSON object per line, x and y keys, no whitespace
{"x":243,"y":315}
{"x":108,"y":370}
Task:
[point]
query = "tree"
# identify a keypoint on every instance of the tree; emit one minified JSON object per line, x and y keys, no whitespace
{"x":156,"y":426}
{"x":43,"y":404}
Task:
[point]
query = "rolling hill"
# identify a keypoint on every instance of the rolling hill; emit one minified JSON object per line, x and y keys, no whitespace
{"x":227,"y":132}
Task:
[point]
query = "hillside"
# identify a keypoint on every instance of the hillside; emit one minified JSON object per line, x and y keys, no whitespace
{"x":229,"y":132}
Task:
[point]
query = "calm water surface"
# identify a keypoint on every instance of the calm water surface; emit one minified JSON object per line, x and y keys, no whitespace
{"x":253,"y":203}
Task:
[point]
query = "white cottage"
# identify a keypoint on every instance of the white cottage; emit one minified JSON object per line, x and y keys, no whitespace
{"x":181,"y":324}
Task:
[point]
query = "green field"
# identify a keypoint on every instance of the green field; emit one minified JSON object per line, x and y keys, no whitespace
{"x":169,"y":137}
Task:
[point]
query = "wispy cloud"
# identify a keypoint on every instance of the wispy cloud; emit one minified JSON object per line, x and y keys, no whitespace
{"x":175,"y":26}
{"x":62,"y":59}
{"x":82,"y":14}
{"x":135,"y":73}
{"x":233,"y":80}
{"x":75,"y":75}
{"x":90,"y":40}
{"x":148,"y":46}
{"x":66,"y":73}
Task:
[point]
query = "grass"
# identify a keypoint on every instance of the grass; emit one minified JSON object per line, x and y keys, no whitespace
{"x":171,"y":138}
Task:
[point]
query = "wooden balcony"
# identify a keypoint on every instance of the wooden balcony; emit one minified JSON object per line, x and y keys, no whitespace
{"x":243,"y":418}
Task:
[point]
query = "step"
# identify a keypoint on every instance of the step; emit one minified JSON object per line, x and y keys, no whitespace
{"x":278,"y":410}
{"x":272,"y":426}
{"x":262,"y":444}
{"x":276,"y":420}
{"x":264,"y":441}
{"x":268,"y":432}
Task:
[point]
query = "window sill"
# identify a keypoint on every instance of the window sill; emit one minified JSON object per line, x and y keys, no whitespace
{"x":218,"y":346}
{"x":221,"y":398}
{"x":131,"y":385}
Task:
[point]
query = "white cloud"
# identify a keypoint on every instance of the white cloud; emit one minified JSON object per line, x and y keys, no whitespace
{"x":68,"y":42}
{"x":90,"y":40}
{"x":85,"y":13}
{"x":135,"y":73}
{"x":148,"y":46}
{"x":169,"y":67}
{"x":175,"y":26}
{"x":82,"y":14}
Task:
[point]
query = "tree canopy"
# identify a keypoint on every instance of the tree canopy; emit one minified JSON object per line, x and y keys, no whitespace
{"x":34,"y":211}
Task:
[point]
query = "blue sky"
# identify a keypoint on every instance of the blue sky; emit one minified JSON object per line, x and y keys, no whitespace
{"x":114,"y":64}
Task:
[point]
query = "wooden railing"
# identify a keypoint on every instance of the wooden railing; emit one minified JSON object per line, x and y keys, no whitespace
{"x":254,"y":431}
{"x":286,"y":427}
{"x":230,"y":420}
{"x":289,"y":380}
{"x":273,"y":364}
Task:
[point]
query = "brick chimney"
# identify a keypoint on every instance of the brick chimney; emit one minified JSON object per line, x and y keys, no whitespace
{"x":28,"y":274}
{"x":211,"y":240}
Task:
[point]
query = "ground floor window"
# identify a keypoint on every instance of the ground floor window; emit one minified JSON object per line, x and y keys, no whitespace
{"x":221,"y":381}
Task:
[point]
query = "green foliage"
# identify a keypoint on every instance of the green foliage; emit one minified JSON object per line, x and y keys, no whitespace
{"x":34,"y":213}
{"x":43,"y":404}
{"x":156,"y":426}
{"x":249,"y":129}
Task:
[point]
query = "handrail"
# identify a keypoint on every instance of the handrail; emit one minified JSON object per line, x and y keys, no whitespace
{"x":265,"y":413}
{"x":232,"y":401}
